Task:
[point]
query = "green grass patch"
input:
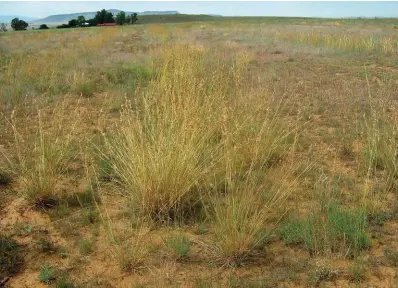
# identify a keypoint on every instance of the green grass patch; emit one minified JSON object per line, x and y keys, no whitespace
{"x":334,"y":230}
{"x":179,"y":246}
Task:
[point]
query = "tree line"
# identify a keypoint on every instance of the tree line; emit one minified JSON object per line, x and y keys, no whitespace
{"x":101,"y":17}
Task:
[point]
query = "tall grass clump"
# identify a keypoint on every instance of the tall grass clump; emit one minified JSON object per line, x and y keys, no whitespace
{"x":45,"y":143}
{"x":249,"y":202}
{"x":379,"y":151}
{"x":254,"y":175}
{"x":165,"y":147}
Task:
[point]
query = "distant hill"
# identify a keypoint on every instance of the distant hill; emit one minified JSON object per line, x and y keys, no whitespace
{"x":64,"y":18}
{"x":8,"y":18}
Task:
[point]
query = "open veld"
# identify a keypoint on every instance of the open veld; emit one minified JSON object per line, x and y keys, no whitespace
{"x":231,"y":152}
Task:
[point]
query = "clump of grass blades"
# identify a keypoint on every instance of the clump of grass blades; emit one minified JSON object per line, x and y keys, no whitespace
{"x":379,"y":152}
{"x":179,"y":245}
{"x":163,"y":150}
{"x":129,"y":248}
{"x":335,"y":230}
{"x":252,"y":199}
{"x":11,"y":259}
{"x":239,"y":218}
{"x":44,"y":151}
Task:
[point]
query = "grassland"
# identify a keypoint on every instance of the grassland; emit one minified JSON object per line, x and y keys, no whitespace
{"x":234,"y":152}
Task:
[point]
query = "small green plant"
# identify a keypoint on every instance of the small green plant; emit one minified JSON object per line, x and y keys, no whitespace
{"x":63,"y":252}
{"x":201,"y":229}
{"x":85,"y":89}
{"x":23,"y":229}
{"x":379,"y":218}
{"x":64,"y":282}
{"x":88,"y":216}
{"x":106,"y":170}
{"x":392,"y":256}
{"x":179,"y":245}
{"x":47,"y":274}
{"x":85,"y":246}
{"x":11,"y":259}
{"x":45,"y":245}
{"x":357,"y":271}
{"x":84,"y":199}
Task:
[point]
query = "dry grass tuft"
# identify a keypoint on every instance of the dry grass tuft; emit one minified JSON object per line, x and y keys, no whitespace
{"x":44,"y":149}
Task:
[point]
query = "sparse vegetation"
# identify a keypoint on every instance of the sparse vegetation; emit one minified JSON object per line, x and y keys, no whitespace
{"x":11,"y":258}
{"x":44,"y":154}
{"x":179,"y":246}
{"x":392,"y":256}
{"x":85,"y":246}
{"x":243,"y":145}
{"x":47,"y":274}
{"x":331,"y":231}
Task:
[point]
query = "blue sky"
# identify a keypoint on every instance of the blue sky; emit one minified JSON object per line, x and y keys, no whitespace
{"x":306,"y":9}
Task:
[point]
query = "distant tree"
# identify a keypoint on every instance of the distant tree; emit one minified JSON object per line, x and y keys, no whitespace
{"x":121,"y":18}
{"x":134,"y":18}
{"x":131,"y":19}
{"x":100,"y":16}
{"x":72,"y":23}
{"x":3,"y":27}
{"x":81,"y":20}
{"x":63,"y":26}
{"x":17,"y":24}
{"x":109,"y":18}
{"x":104,"y":17}
{"x":43,"y":26}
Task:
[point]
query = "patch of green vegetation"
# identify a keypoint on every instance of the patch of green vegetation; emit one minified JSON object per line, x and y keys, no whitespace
{"x":335,"y":229}
{"x":86,"y":247}
{"x":23,"y":229}
{"x":357,"y":271}
{"x":379,"y":218}
{"x":179,"y":245}
{"x":391,"y":256}
{"x":64,"y":282}
{"x":45,"y":245}
{"x":84,"y":199}
{"x":129,"y":76}
{"x":47,"y":274}
{"x":86,"y":88}
{"x":11,"y":259}
{"x":201,"y":229}
{"x":106,"y":170}
{"x":63,"y":252}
